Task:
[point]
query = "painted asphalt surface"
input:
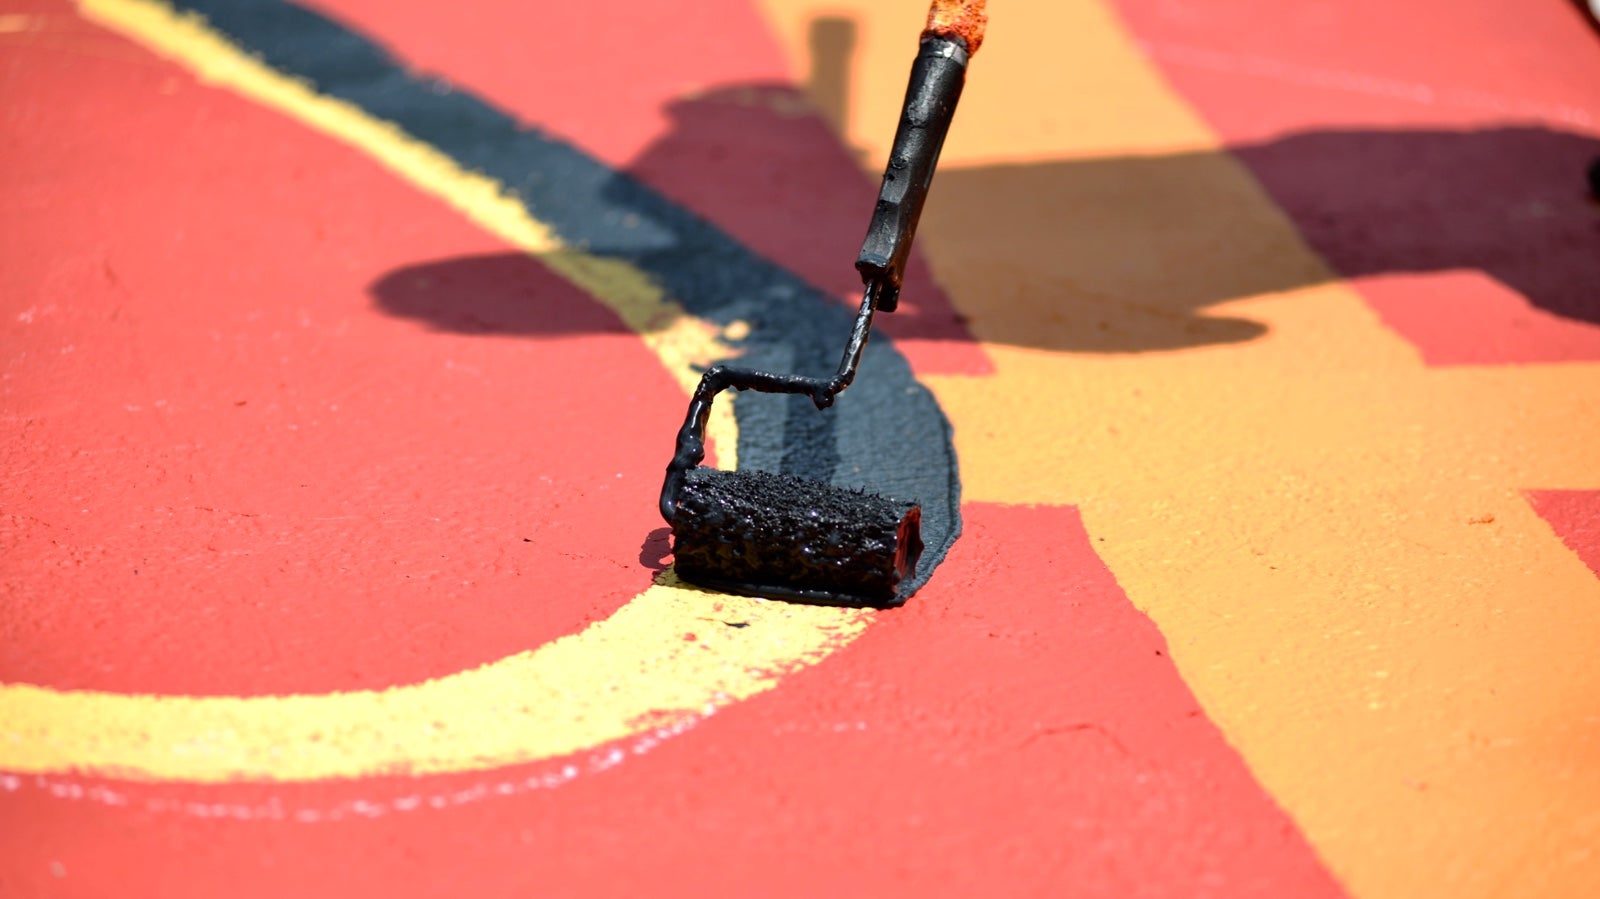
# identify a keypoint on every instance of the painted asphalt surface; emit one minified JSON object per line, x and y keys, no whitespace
{"x":1269,"y":337}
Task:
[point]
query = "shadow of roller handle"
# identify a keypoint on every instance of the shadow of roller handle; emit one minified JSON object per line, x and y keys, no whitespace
{"x":954,"y":32}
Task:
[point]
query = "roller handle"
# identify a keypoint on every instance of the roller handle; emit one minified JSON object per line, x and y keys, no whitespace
{"x":955,"y":29}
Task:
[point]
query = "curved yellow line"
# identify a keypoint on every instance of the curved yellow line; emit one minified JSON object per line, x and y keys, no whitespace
{"x":659,"y":659}
{"x":635,"y":671}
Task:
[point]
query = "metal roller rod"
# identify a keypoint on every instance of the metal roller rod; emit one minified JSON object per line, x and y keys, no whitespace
{"x":776,"y":535}
{"x":691,"y":447}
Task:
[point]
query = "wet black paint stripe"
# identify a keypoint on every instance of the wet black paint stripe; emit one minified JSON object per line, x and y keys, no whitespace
{"x":886,"y":433}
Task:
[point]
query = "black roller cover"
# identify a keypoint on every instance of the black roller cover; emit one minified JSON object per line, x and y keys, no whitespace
{"x":760,"y":533}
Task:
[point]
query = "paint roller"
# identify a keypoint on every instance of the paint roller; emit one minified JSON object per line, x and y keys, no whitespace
{"x":765,"y":534}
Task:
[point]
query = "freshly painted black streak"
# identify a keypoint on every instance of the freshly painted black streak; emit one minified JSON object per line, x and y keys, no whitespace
{"x":691,"y":447}
{"x":778,"y":535}
{"x":887,"y":436}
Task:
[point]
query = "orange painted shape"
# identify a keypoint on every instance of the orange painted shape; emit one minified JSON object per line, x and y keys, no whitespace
{"x":1271,"y":472}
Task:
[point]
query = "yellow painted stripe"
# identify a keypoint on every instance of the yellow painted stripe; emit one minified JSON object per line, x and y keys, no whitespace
{"x":632,"y":673}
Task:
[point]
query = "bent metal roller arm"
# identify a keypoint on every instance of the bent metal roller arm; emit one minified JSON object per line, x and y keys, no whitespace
{"x":776,"y":535}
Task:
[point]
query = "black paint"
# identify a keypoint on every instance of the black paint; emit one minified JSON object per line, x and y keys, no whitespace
{"x":887,"y":436}
{"x":808,"y":540}
{"x":691,"y":447}
{"x":765,"y":534}
{"x":777,"y":535}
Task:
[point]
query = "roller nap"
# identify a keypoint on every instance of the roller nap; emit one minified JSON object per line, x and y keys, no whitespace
{"x":760,"y":533}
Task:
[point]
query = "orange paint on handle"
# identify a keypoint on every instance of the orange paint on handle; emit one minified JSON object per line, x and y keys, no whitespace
{"x":964,"y":19}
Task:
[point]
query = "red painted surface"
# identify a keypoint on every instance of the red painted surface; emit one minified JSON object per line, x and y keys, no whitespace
{"x":239,"y":475}
{"x":1431,"y":63}
{"x":1015,"y":726}
{"x":1465,"y":317}
{"x":1434,"y":152}
{"x":201,"y":291}
{"x":700,"y":106}
{"x":1575,"y":517}
{"x":204,"y":284}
